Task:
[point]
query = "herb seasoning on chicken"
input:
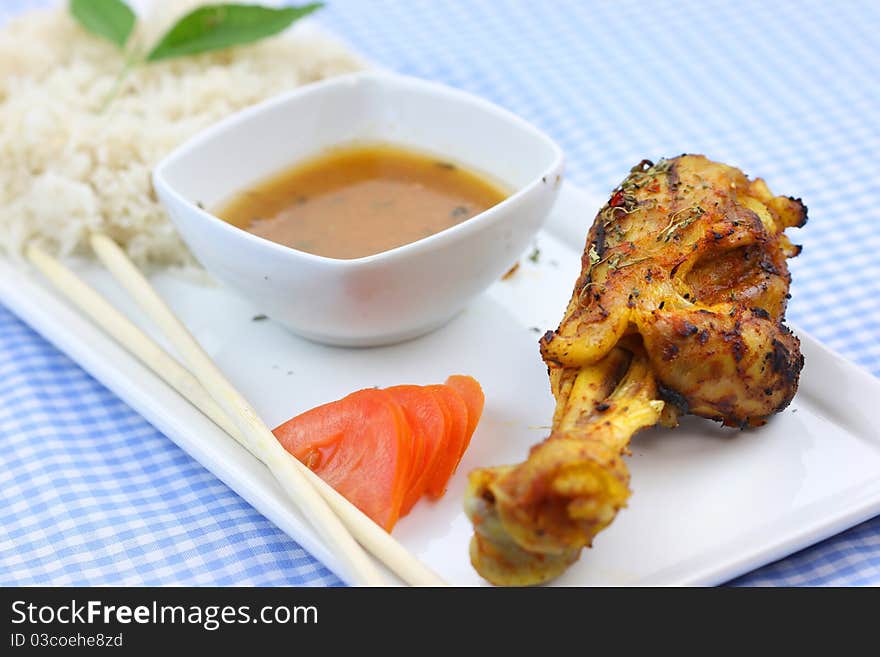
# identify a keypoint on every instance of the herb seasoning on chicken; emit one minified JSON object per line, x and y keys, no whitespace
{"x":678,"y":309}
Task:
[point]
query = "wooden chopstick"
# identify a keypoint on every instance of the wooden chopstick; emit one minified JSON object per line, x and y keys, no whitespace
{"x":310,"y":503}
{"x":130,"y":337}
{"x":371,"y":536}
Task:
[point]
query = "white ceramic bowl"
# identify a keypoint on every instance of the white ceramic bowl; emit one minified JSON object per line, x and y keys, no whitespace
{"x":382,"y":298}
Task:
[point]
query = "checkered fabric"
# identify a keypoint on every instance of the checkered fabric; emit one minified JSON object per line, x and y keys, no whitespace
{"x":788,"y":89}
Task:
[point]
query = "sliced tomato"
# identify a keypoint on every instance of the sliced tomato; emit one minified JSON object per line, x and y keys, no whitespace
{"x":456,"y":415}
{"x":384,"y":449}
{"x":428,"y":423}
{"x":472,"y":394}
{"x":406,"y":396}
{"x":361,"y":445}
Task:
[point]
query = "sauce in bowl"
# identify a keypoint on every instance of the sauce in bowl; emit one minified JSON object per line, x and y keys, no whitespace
{"x":359,"y":200}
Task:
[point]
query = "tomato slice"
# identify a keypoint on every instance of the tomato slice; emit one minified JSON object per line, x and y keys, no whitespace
{"x":361,"y":445}
{"x":472,"y":394}
{"x":384,"y":449}
{"x":456,"y":415}
{"x":405,"y":396}
{"x":428,"y":423}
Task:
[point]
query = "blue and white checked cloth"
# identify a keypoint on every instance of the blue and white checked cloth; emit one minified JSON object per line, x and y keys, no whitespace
{"x":788,"y":89}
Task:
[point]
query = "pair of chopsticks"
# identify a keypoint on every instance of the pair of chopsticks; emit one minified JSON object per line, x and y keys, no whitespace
{"x":341,"y":525}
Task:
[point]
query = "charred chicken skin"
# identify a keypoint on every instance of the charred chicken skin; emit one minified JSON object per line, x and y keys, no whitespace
{"x":679,"y":308}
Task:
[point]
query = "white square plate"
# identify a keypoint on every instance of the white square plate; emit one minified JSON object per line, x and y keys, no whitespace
{"x":708,"y":503}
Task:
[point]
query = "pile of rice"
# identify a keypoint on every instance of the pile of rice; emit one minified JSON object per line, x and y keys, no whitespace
{"x":68,"y":168}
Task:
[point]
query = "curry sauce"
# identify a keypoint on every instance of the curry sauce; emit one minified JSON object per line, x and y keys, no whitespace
{"x":360,"y":200}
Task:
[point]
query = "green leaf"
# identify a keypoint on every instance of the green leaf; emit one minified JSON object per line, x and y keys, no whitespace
{"x":112,"y":19}
{"x":214,"y":27}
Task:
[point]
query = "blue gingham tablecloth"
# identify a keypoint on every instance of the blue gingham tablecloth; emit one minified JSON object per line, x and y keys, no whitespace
{"x":91,"y":494}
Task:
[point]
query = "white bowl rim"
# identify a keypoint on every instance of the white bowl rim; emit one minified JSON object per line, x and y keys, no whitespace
{"x":411,"y":248}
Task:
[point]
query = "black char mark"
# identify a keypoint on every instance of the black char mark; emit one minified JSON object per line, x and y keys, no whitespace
{"x":734,"y":339}
{"x":686,"y":329}
{"x":600,"y":239}
{"x":674,"y":397}
{"x":804,"y":210}
{"x":783,"y":364}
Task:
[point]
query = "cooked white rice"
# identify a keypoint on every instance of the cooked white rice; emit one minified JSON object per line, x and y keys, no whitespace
{"x":67,"y":169}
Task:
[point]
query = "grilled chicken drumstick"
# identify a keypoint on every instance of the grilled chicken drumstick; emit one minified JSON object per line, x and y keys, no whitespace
{"x":678,"y":309}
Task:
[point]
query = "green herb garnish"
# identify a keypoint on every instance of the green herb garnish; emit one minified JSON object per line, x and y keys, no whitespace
{"x":112,"y":19}
{"x":205,"y":29}
{"x":215,"y":27}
